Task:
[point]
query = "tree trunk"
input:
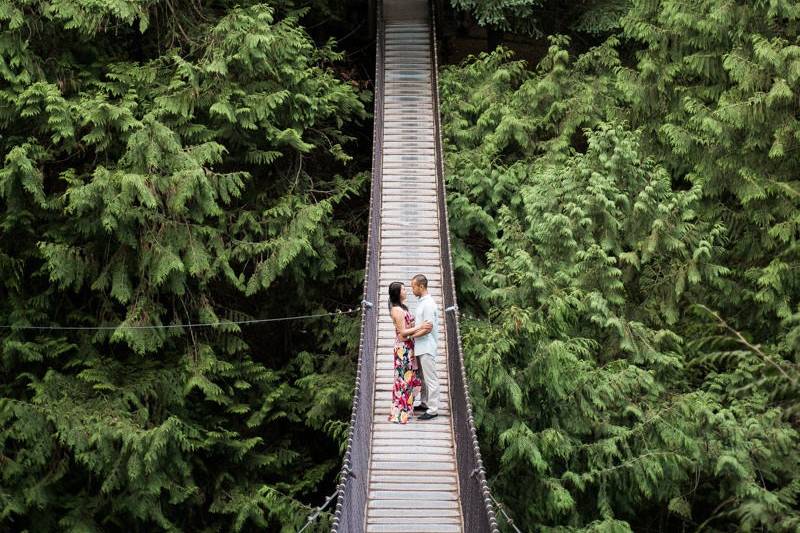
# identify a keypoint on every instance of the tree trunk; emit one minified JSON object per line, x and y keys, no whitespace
{"x":494,"y":38}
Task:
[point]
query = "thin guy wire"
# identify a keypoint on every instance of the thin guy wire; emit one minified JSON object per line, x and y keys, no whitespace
{"x":317,"y":512}
{"x":188,"y":325}
{"x":502,"y":510}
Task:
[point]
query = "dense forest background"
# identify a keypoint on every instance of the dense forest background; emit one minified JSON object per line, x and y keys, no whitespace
{"x":625,"y":210}
{"x":169,"y":162}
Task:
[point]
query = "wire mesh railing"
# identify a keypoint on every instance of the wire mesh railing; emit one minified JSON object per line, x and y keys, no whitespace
{"x":351,"y":500}
{"x":476,"y":499}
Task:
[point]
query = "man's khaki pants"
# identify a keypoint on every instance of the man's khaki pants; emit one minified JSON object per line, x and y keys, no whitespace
{"x":430,"y":382}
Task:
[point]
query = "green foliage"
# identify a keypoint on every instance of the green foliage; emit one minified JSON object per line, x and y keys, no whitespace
{"x":507,"y":15}
{"x":624,"y":249}
{"x":536,"y":17}
{"x":165,"y":163}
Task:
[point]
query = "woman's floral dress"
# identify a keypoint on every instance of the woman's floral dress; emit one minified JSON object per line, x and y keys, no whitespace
{"x":405,"y":377}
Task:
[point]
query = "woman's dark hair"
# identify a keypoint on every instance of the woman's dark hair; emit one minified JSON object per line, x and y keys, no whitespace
{"x":394,"y":295}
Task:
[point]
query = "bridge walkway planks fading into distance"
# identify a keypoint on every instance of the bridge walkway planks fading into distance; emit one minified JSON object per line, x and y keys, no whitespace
{"x":425,"y":476}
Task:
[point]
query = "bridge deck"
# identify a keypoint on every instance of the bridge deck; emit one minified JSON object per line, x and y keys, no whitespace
{"x":413,"y":481}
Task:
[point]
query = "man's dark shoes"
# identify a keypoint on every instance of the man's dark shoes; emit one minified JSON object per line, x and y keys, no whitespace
{"x":421,"y":408}
{"x":428,"y":416}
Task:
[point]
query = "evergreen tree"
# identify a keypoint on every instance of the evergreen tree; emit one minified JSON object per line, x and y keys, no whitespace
{"x":631,"y":331}
{"x":168,"y":163}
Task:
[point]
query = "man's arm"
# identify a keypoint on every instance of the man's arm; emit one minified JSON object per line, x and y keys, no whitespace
{"x":423,"y":330}
{"x":426,"y":321}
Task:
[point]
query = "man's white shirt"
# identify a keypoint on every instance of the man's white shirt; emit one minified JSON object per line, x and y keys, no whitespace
{"x":427,"y":311}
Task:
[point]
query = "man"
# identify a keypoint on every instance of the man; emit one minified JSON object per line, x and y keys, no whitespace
{"x":425,"y":347}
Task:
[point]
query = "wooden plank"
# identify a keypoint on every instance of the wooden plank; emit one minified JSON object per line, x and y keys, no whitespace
{"x":416,"y":54}
{"x":401,"y":220}
{"x":397,"y":76}
{"x":414,"y":512}
{"x":406,"y":157}
{"x":409,"y":526}
{"x":421,"y":488}
{"x":414,"y":431}
{"x":420,"y":504}
{"x":400,"y":119}
{"x":398,"y":198}
{"x":394,"y":177}
{"x":411,"y":446}
{"x":404,"y":248}
{"x":413,"y":477}
{"x":417,"y":232}
{"x":432,"y":272}
{"x":405,"y":122}
{"x":403,"y":259}
{"x":411,"y":441}
{"x":411,"y":494}
{"x":441,"y":420}
{"x":407,"y":187}
{"x":413,"y":256}
{"x":390,"y":174}
{"x":419,"y":35}
{"x":425,"y":145}
{"x":408,"y":145}
{"x":444,"y":458}
{"x":414,"y":89}
{"x":419,"y":110}
{"x":407,"y":43}
{"x":407,"y":84}
{"x":419,"y":520}
{"x":421,"y":90}
{"x":392,"y":40}
{"x":410,"y":154}
{"x":406,"y":165}
{"x":413,"y":104}
{"x":387,"y":241}
{"x":404,"y":150}
{"x":403,"y":187}
{"x":415,"y":129}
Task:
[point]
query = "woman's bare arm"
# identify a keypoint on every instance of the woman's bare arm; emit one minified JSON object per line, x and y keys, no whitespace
{"x":398,"y":317}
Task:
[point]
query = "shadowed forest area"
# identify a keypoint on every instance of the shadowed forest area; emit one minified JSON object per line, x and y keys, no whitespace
{"x":625,"y":211}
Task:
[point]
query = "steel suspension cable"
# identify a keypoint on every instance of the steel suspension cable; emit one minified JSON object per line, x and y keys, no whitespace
{"x":188,"y":325}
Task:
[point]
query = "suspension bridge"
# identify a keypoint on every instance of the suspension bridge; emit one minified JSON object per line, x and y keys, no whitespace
{"x":426,"y":476}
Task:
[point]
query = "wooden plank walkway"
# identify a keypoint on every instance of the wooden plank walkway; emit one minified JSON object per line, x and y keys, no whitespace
{"x":413,"y":481}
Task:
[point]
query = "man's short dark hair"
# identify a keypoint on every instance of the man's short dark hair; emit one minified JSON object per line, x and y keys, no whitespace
{"x":420,"y":280}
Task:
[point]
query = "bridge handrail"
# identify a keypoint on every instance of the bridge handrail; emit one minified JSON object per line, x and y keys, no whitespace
{"x":351,"y":502}
{"x":476,"y":499}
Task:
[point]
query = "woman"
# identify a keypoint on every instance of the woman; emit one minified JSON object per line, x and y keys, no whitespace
{"x":405,"y":374}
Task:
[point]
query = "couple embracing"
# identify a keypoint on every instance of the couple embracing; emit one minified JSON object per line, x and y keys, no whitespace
{"x":414,"y":352}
